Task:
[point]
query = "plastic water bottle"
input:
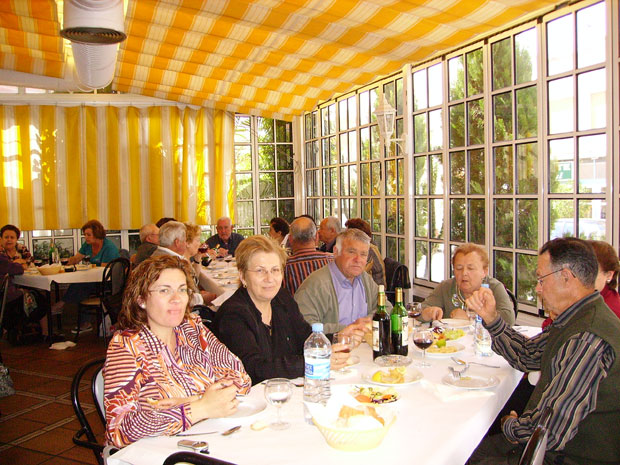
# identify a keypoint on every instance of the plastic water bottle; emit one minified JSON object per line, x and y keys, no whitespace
{"x":317,"y":358}
{"x":482,"y":338}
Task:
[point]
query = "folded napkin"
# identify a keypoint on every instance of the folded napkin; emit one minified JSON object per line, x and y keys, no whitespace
{"x":450,"y":393}
{"x":62,"y":345}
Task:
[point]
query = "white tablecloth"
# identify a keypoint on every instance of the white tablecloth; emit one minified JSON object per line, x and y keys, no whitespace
{"x":436,"y":424}
{"x":44,"y":282}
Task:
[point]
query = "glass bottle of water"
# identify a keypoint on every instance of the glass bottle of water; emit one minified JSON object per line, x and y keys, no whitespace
{"x":482,"y":338}
{"x":317,"y":358}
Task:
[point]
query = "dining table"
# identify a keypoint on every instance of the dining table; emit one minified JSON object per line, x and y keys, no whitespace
{"x":33,"y":279}
{"x":435,"y":422}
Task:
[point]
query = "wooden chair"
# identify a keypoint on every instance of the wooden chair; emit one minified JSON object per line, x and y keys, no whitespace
{"x":109,"y":300}
{"x":534,"y":452}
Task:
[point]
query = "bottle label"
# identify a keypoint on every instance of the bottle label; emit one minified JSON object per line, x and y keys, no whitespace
{"x":375,"y":336}
{"x":317,"y":369}
{"x":405,"y":332}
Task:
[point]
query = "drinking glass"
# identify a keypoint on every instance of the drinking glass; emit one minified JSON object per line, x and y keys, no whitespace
{"x":414,"y":311}
{"x":423,"y":339}
{"x":278,"y":391}
{"x":347,"y":342}
{"x":203,"y":248}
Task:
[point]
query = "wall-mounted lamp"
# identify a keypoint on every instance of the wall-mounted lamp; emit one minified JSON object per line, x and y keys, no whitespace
{"x":386,"y":117}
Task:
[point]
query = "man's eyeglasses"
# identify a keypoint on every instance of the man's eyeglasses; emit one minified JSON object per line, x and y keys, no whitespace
{"x":263,"y":272}
{"x":540,"y":279}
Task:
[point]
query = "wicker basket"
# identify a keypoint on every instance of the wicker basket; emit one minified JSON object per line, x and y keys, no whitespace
{"x":50,"y":269}
{"x":348,"y":439}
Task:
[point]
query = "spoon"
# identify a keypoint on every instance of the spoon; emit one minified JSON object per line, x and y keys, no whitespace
{"x":458,"y":361}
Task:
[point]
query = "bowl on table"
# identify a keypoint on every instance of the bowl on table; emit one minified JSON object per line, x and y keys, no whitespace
{"x":50,"y":269}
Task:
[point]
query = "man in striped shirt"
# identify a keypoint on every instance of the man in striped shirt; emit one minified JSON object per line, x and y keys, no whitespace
{"x":305,"y":258}
{"x":577,"y":357}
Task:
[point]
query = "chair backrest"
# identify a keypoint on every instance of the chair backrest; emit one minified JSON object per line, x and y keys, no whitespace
{"x":97,"y":396}
{"x":515,"y":303}
{"x":113,"y":285}
{"x":4,"y":284}
{"x":193,"y":458}
{"x":534,"y":452}
{"x":396,"y":275}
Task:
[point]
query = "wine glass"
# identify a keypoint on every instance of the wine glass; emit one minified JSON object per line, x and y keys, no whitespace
{"x":278,"y":391}
{"x":423,"y":339}
{"x":203,"y":248}
{"x":414,"y":311}
{"x":346,"y":341}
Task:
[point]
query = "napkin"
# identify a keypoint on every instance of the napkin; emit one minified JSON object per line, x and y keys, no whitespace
{"x":450,"y":394}
{"x":62,"y":345}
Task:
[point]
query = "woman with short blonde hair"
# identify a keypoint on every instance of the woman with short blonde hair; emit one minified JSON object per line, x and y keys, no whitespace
{"x":261,"y":321}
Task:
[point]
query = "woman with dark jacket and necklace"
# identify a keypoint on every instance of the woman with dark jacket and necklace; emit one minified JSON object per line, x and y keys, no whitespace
{"x":260,"y":322}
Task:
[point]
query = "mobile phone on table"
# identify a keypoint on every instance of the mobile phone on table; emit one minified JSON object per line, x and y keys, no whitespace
{"x":198,"y":446}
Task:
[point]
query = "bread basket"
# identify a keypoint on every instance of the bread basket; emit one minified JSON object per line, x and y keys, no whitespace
{"x":50,"y":269}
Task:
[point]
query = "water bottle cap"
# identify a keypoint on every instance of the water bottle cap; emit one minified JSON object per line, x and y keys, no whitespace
{"x":317,"y":327}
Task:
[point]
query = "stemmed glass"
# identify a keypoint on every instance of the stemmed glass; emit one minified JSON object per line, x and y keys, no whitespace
{"x":347,"y":342}
{"x":423,"y":339}
{"x":278,"y":391}
{"x":414,"y":311}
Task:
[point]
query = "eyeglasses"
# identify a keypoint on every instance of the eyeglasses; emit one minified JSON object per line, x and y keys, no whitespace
{"x":540,"y":279}
{"x":168,"y":291}
{"x":263,"y":272}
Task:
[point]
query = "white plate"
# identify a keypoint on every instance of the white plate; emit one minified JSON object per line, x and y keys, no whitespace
{"x":248,"y":407}
{"x":32,"y":272}
{"x":471,"y":382}
{"x":411,"y":376}
{"x":453,"y":323}
{"x":459,"y":348}
{"x":393,"y":361}
{"x":353,"y":360}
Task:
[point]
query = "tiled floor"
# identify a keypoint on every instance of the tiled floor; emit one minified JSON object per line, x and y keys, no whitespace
{"x":37,"y":424}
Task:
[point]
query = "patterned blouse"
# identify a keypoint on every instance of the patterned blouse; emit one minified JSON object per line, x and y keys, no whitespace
{"x":21,"y":251}
{"x":140,"y":367}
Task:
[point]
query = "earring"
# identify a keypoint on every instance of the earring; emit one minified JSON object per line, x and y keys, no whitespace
{"x":141,"y":305}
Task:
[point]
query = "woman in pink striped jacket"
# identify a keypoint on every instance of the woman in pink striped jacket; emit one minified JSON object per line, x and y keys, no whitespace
{"x":164,"y":370}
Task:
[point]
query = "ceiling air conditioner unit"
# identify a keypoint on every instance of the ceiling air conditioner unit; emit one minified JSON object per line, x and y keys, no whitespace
{"x":94,"y":27}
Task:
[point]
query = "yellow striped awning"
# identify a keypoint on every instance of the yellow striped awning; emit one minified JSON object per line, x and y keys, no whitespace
{"x":270,"y":57}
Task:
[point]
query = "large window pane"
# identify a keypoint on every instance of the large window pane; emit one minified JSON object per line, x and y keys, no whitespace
{"x":527,"y":227}
{"x":420,"y":99}
{"x":502,"y":63}
{"x":561,"y":166}
{"x":526,"y":278}
{"x":591,"y":32}
{"x":421,"y":176}
{"x":527,"y":114}
{"x":457,"y":125}
{"x":265,"y":129}
{"x":242,"y":129}
{"x":245,"y":214}
{"x":504,"y":219}
{"x":421,"y":259}
{"x":437,"y":219}
{"x":457,"y":173}
{"x":435,"y":85}
{"x":457,"y":220}
{"x":390,"y":177}
{"x":502,"y":116}
{"x":526,"y":56}
{"x":503,"y":170}
{"x":365,"y":144}
{"x":476,"y":171}
{"x":421,"y":131}
{"x":284,"y":131}
{"x":437,"y":262}
{"x":285,"y":184}
{"x":592,"y":100}
{"x":477,"y":215}
{"x":561,"y":103}
{"x":591,"y":223}
{"x":475,"y":121}
{"x":527,"y":168}
{"x":435,"y":123}
{"x":244,"y":186}
{"x":592,"y":164}
{"x":266,"y":157}
{"x":503,"y":268}
{"x":285,"y":156}
{"x":391,"y":211}
{"x":243,"y":157}
{"x":561,"y":218}
{"x":436,"y":187}
{"x":267,"y":185}
{"x":560,"y":45}
{"x":475,"y":77}
{"x":421,"y":217}
{"x":456,"y":77}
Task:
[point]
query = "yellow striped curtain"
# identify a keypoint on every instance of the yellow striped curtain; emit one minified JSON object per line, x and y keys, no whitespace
{"x":125,"y":166}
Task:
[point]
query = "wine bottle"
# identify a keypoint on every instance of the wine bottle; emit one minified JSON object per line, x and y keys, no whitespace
{"x":399,"y":324}
{"x":380,"y":327}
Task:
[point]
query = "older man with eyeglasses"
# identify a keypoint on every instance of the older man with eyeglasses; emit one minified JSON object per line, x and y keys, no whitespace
{"x":577,"y":356}
{"x":149,"y":238}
